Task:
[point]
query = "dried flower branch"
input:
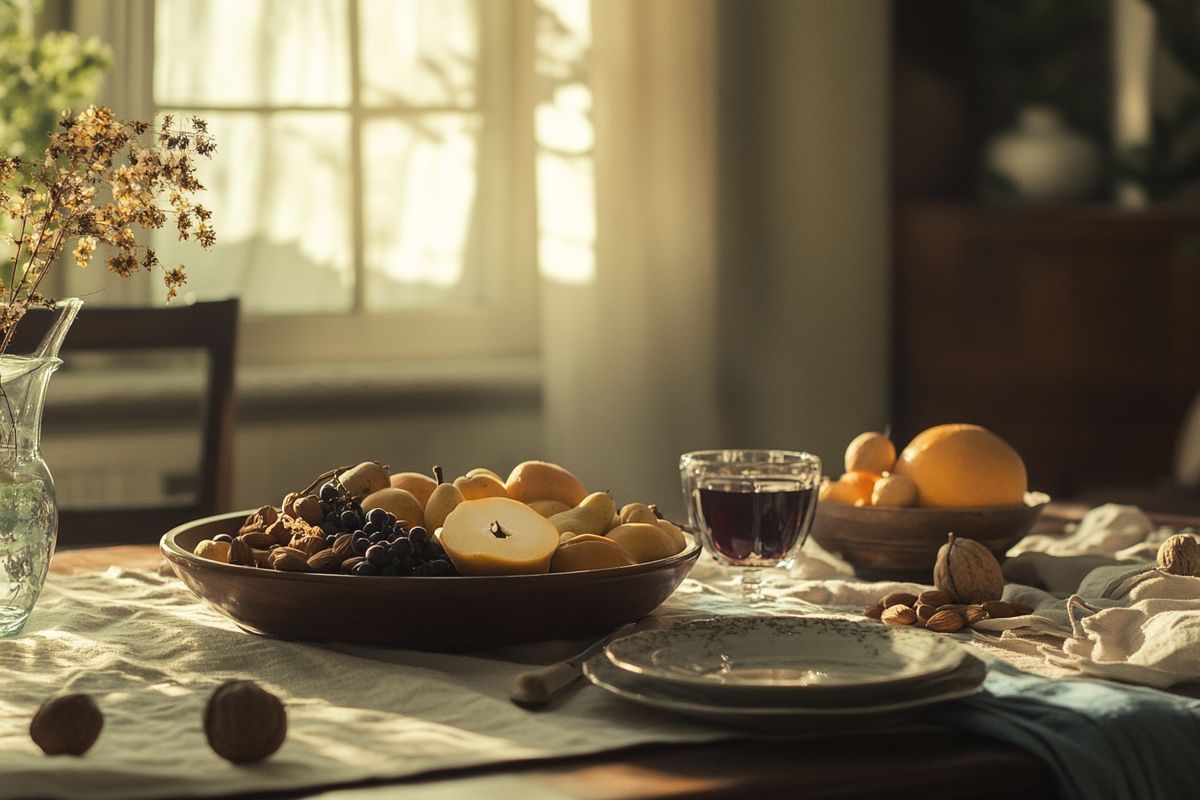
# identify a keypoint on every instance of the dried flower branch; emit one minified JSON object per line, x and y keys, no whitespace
{"x":96,"y":184}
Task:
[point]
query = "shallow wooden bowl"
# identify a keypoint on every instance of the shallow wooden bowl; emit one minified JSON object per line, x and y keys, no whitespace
{"x":421,"y":613}
{"x":902,"y":543}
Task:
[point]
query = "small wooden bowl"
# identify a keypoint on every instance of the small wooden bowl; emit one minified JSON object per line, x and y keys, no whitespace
{"x":902,"y":543}
{"x":421,"y":613}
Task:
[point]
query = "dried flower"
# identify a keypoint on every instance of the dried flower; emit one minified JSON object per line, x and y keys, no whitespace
{"x":96,"y":184}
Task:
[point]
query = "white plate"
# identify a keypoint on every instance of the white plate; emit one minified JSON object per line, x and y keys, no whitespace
{"x":963,"y":681}
{"x":785,"y":657}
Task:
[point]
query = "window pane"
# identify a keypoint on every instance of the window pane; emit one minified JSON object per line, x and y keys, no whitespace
{"x":279,"y":188}
{"x":251,"y":52}
{"x":420,"y":52}
{"x":420,"y":207}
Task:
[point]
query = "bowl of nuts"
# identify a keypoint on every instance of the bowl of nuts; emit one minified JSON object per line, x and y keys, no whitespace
{"x":354,"y":559}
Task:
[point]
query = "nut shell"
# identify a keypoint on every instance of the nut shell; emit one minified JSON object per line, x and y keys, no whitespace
{"x":67,"y":725}
{"x":243,"y":722}
{"x":968,"y":571}
{"x":1180,"y":555}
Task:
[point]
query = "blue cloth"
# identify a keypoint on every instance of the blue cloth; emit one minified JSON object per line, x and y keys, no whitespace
{"x":1102,"y":740}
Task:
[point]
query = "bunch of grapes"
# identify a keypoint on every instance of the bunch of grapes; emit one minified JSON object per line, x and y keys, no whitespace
{"x":387,"y":546}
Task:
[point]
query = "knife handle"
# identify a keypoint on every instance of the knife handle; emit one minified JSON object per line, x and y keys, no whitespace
{"x":538,"y":687}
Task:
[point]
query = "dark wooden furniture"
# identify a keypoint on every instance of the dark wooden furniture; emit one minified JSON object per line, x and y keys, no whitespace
{"x":1072,"y":332}
{"x":207,"y":326}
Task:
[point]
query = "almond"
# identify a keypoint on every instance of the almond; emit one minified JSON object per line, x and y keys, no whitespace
{"x":240,"y":552}
{"x":262,"y":555}
{"x":1021,"y":609}
{"x":924,"y":612}
{"x":344,"y":545}
{"x":308,"y":508}
{"x":258,"y":539}
{"x":898,"y":599}
{"x":934,"y":597}
{"x":326,"y":560}
{"x":287,"y":559}
{"x":974,"y":614}
{"x":997,"y":609}
{"x":309,"y":545}
{"x":946,"y":622}
{"x":873,"y":612}
{"x":898,"y":614}
{"x":349,"y":563}
{"x":279,"y":531}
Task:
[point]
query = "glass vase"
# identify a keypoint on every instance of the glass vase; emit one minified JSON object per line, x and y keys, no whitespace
{"x":28,"y":507}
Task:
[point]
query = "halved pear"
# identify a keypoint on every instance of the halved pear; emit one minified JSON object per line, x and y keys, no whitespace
{"x":498,"y":536}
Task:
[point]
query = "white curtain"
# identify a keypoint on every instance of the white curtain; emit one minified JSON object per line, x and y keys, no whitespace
{"x":629,"y":351}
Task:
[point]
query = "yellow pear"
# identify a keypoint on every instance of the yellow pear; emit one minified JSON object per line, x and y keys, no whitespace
{"x":592,"y":515}
{"x":637,"y":512}
{"x":498,"y":536}
{"x":541,"y":480}
{"x":420,"y":484}
{"x":589,"y":552}
{"x":643,"y":541}
{"x":480,"y":485}
{"x":445,"y":498}
{"x":400,"y":503}
{"x":674,"y":531}
{"x":362,"y":479}
{"x":548,"y":508}
{"x":471,"y":473}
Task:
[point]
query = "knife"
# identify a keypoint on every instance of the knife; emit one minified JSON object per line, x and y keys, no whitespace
{"x":537,"y":688}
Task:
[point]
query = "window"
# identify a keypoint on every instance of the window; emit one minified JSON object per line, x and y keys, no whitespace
{"x":367,"y":190}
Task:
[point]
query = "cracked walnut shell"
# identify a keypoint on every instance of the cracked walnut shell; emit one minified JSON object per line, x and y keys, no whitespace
{"x":1180,"y":555}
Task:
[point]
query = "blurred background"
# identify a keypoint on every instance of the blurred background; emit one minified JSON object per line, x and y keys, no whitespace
{"x":473,"y":232}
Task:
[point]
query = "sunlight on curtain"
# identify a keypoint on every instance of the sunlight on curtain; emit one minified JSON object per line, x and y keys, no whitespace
{"x":287,"y":182}
{"x":565,"y":138}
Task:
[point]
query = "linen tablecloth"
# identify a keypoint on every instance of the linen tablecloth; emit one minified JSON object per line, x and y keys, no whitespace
{"x":151,"y":653}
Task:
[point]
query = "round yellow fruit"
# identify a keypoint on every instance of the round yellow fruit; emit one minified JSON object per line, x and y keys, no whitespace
{"x":963,"y":466}
{"x":894,"y":490}
{"x":852,"y":489}
{"x":870,"y":452}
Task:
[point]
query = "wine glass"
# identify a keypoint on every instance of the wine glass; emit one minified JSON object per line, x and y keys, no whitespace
{"x":752,"y":508}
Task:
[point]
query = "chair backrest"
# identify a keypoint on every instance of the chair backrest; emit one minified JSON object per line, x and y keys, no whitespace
{"x":207,"y":326}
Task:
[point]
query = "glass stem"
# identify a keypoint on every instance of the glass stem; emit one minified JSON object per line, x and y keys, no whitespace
{"x":751,"y":584}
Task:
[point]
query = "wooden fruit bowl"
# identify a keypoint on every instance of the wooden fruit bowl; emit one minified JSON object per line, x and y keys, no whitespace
{"x":421,"y":613}
{"x":902,"y":543}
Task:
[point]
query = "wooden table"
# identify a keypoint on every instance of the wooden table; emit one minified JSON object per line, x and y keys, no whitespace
{"x":899,"y":760}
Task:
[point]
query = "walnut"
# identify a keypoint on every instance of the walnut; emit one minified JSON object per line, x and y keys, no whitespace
{"x":968,"y":571}
{"x":244,"y":722}
{"x":1180,"y":555}
{"x":67,"y":725}
{"x":260,"y":520}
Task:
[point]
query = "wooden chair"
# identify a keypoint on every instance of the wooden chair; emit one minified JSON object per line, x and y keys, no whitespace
{"x":207,"y":326}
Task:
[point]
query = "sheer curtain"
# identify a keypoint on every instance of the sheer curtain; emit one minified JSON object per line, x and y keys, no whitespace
{"x":628,"y":345}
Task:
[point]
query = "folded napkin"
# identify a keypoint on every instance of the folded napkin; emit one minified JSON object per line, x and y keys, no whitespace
{"x":1102,"y":741}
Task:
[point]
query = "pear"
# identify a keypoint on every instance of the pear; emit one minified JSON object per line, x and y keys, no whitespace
{"x":643,"y":541}
{"x":541,"y":480}
{"x":362,"y":479}
{"x":498,"y":536}
{"x":480,"y":485}
{"x":589,"y":552}
{"x":592,"y":515}
{"x":548,"y":508}
{"x":400,"y":503}
{"x":444,"y":499}
{"x":637,"y":512}
{"x":420,"y":484}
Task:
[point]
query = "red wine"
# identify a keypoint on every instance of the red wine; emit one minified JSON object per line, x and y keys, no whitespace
{"x":755,"y":522}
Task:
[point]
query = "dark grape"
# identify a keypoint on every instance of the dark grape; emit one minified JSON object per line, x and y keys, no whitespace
{"x":375,"y":538}
{"x":349,"y":520}
{"x":377,"y":516}
{"x":390,"y":570}
{"x":418,"y":536}
{"x":376,"y":554}
{"x":364,"y":568}
{"x":440,"y":568}
{"x":330,"y":527}
{"x":371,"y":527}
{"x":326,"y":508}
{"x":330,"y":539}
{"x":402,"y":548}
{"x":329,"y":492}
{"x":360,"y":546}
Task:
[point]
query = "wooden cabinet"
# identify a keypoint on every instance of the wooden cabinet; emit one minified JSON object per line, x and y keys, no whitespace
{"x":1073,"y":332}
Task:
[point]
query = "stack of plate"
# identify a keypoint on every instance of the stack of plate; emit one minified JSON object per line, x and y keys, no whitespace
{"x":755,"y":670}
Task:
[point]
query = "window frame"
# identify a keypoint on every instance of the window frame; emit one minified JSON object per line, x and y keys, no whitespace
{"x":504,"y":323}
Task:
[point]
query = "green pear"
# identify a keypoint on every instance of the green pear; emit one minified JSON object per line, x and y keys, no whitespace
{"x":444,"y":499}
